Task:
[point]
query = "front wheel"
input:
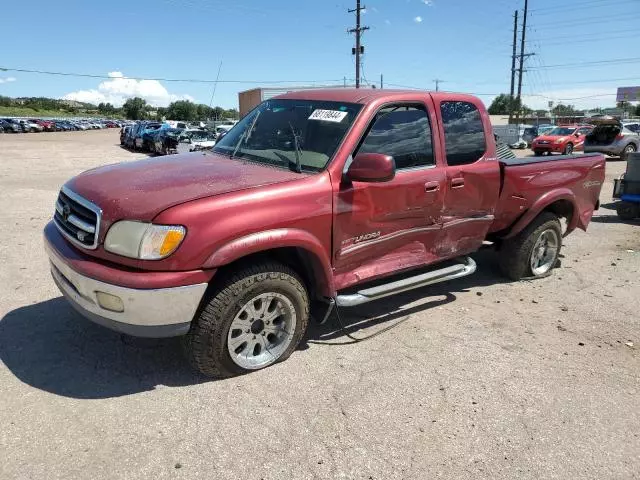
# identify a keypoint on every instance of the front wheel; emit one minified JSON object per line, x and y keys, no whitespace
{"x":256,"y":318}
{"x":568,"y":150}
{"x":534,"y":251}
{"x":537,"y":153}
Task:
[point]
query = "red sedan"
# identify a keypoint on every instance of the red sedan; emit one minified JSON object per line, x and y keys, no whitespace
{"x":564,"y":139}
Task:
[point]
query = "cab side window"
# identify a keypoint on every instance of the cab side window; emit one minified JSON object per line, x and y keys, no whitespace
{"x":404,"y":132}
{"x":464,"y":136}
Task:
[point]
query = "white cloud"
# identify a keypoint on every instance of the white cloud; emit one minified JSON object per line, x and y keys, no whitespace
{"x":7,"y":79}
{"x":388,"y":22}
{"x":119,"y":88}
{"x":374,"y":9}
{"x":418,"y":19}
{"x":428,"y":3}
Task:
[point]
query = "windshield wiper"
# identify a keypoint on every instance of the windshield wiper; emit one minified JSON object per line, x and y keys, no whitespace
{"x":297,"y":148}
{"x":290,"y":163}
{"x":245,"y":135}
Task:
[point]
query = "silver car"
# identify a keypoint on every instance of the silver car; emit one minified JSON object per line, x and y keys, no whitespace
{"x":611,"y":137}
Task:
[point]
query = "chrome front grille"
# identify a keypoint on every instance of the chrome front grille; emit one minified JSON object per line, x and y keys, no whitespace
{"x":77,"y":219}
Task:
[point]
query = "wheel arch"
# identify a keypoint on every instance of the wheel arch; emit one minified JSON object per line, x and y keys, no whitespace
{"x":560,"y":202}
{"x":297,"y":249}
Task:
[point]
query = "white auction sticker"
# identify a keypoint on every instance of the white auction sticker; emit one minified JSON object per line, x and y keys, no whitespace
{"x":328,"y":115}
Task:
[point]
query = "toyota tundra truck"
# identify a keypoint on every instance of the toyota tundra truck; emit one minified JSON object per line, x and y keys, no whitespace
{"x":315,"y":200}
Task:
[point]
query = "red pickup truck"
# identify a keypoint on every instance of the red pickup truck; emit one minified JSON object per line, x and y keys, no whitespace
{"x":299,"y":208}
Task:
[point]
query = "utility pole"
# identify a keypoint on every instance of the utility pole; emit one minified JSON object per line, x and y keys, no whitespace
{"x":381,"y":82}
{"x":438,"y":82}
{"x":359,"y":48}
{"x":522,"y":57}
{"x":513,"y":64}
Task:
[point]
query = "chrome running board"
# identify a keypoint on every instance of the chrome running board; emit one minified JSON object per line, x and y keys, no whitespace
{"x":374,"y":293}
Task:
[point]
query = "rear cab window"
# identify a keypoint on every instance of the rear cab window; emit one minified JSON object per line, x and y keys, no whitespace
{"x":464,"y":134}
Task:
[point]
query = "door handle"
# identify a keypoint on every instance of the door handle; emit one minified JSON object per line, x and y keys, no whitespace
{"x":430,"y":187}
{"x":457,"y":182}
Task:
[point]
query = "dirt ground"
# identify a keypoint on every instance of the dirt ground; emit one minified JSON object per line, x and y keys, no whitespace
{"x":481,"y":378}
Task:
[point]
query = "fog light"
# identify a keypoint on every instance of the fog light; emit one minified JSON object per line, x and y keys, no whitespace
{"x":110,"y":302}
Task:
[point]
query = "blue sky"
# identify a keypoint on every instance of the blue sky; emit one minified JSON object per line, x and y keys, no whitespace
{"x":466,"y":43}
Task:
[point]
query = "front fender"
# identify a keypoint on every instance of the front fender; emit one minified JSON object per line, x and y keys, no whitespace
{"x":279,"y":238}
{"x":543,"y":202}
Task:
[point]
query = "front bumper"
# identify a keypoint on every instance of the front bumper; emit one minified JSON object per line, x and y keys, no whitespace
{"x":161,"y":312}
{"x":548,"y":147}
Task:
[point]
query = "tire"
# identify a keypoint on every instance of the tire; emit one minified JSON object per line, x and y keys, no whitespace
{"x":631,"y":148}
{"x":568,"y":150}
{"x":537,"y":153}
{"x":627,"y":210}
{"x":237,"y":302}
{"x":516,"y":254}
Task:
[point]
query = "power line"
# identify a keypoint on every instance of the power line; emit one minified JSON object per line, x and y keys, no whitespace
{"x":597,"y":62}
{"x":184,"y":80}
{"x":583,"y":21}
{"x":583,"y":4}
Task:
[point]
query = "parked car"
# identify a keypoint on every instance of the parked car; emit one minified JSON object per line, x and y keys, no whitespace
{"x":123,"y":134}
{"x":23,"y":127}
{"x":306,"y":200}
{"x":613,"y":138}
{"x":64,"y":126}
{"x":142,"y":140}
{"x":633,"y":126}
{"x":9,"y":126}
{"x":29,"y":126}
{"x":47,"y":125}
{"x":525,"y":137}
{"x":194,"y":140}
{"x":564,"y":139}
{"x":165,"y":141}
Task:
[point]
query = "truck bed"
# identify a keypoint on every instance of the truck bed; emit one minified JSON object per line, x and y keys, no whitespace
{"x":571,"y":183}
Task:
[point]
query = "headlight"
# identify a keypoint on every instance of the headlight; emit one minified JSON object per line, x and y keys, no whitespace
{"x":560,"y":140}
{"x":143,"y":240}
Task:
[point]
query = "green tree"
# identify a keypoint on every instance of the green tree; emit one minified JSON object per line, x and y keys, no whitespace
{"x":135,"y":108}
{"x":562,"y":109}
{"x":182,"y":110}
{"x":500,"y":105}
{"x":638,"y":110}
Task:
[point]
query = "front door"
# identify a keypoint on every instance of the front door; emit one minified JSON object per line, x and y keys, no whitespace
{"x":383,"y":228}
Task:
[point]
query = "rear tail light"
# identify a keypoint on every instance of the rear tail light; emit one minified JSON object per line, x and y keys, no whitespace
{"x":619,"y":136}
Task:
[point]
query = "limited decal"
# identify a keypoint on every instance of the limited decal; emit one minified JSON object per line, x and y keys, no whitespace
{"x":591,"y":184}
{"x":361,"y":238}
{"x":335,"y":116}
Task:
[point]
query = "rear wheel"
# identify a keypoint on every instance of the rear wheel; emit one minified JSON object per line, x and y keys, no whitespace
{"x":534,"y":251}
{"x":256,"y":318}
{"x":568,"y":150}
{"x":629,"y":149}
{"x":627,"y":210}
{"x":537,"y":153}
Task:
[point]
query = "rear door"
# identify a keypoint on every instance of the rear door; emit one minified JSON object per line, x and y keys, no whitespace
{"x":383,"y":228}
{"x":472,"y":174}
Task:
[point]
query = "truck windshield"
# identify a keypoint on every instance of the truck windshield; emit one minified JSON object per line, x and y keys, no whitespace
{"x":301,"y":135}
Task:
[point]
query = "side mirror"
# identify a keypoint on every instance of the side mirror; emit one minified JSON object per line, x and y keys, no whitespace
{"x":577,"y":134}
{"x":372,"y":167}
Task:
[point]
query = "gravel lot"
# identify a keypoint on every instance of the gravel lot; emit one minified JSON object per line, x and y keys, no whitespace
{"x":481,"y":378}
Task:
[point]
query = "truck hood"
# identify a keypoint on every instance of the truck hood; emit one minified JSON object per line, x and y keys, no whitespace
{"x":141,"y":190}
